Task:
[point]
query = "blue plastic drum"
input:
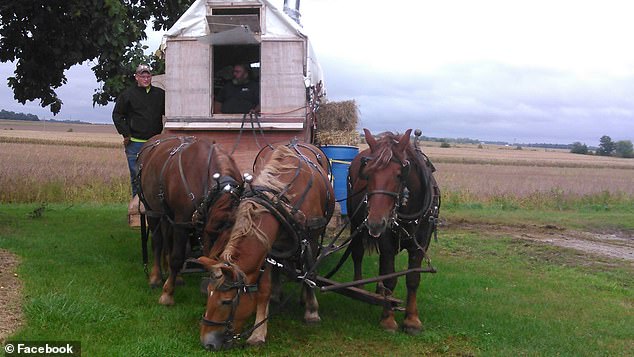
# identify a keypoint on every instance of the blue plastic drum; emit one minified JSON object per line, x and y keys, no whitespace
{"x":340,"y":157}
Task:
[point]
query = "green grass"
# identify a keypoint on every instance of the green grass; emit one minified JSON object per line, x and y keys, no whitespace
{"x":491,"y":296}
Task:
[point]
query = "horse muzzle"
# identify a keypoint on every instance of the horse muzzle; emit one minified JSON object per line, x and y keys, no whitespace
{"x":215,"y":341}
{"x":375,"y":229}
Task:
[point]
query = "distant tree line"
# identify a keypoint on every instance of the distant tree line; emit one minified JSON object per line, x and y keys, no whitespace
{"x":607,"y":147}
{"x":6,"y":114}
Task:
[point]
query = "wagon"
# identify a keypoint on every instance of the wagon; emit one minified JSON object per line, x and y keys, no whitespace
{"x":206,"y":41}
{"x":213,"y":35}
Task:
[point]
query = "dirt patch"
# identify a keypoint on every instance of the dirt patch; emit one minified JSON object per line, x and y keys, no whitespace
{"x":10,"y":295}
{"x":615,"y":244}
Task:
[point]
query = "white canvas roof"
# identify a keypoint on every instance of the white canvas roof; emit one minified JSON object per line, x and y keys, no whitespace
{"x":193,"y":23}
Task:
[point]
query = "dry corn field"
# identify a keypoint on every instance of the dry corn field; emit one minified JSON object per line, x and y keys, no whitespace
{"x":87,"y":163}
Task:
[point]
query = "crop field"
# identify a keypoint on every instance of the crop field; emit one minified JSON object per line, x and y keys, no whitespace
{"x":535,"y":257}
{"x":57,"y":162}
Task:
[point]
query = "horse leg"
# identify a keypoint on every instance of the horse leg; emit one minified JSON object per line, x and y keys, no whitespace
{"x":411,"y":323}
{"x":311,"y":306}
{"x":357,"y":256}
{"x":177,"y":258}
{"x":258,"y":336}
{"x":276,"y":285}
{"x":157,"y":250}
{"x":386,"y":266}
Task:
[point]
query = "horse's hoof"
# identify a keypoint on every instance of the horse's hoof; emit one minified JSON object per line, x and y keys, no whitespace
{"x":389,"y":326}
{"x":166,"y":300}
{"x":412,"y":330}
{"x":154,"y":285}
{"x":312,"y":319}
{"x":259,"y":341}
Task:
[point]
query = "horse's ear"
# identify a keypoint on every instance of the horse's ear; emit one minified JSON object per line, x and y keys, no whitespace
{"x":206,"y":262}
{"x":404,"y":141}
{"x":369,"y":138}
{"x":216,"y":272}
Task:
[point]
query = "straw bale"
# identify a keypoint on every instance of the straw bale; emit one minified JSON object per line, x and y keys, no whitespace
{"x":333,"y":116}
{"x":339,"y":137}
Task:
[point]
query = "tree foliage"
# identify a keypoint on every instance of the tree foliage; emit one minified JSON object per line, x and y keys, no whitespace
{"x":579,"y":148}
{"x":606,"y":146}
{"x":46,"y":38}
{"x":7,"y":114}
{"x":624,"y":148}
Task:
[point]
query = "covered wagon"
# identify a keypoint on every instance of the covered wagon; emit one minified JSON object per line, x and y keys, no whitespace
{"x":200,"y":50}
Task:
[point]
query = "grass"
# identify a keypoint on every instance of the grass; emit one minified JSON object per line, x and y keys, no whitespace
{"x":492,"y":296}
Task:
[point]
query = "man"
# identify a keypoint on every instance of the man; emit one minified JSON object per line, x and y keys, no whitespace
{"x":137,"y":115}
{"x":240,"y":96}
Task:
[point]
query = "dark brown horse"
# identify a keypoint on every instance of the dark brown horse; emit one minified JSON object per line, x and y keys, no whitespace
{"x":394,"y":202}
{"x":189,"y":187}
{"x":282,"y":216}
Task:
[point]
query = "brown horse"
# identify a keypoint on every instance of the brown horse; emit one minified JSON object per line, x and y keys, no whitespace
{"x":189,"y":187}
{"x":282,"y":216}
{"x":394,"y":201}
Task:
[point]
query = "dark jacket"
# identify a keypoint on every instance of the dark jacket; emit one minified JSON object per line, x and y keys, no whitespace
{"x":137,"y":113}
{"x":239,"y":98}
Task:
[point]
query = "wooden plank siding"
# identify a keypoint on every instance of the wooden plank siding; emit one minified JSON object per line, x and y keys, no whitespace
{"x":282,"y":76}
{"x":188,"y":77}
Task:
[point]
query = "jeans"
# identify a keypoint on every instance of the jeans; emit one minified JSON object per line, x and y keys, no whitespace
{"x":131,"y":152}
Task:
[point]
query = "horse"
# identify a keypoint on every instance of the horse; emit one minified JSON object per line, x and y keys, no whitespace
{"x":394,"y":201}
{"x":280,"y":219}
{"x":190,"y":188}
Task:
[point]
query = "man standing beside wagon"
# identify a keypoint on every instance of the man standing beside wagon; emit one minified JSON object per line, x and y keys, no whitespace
{"x":138,"y":115}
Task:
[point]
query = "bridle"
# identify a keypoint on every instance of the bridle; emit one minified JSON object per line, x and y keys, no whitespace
{"x":405,"y":169}
{"x":241,"y":288}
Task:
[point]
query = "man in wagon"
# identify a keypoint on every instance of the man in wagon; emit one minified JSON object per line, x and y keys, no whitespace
{"x":137,"y":115}
{"x":241,"y":95}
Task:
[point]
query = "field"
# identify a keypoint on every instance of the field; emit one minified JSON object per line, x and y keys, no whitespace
{"x":57,"y":162}
{"x":535,"y":256}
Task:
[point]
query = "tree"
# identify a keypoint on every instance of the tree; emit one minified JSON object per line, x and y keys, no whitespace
{"x":46,"y":38}
{"x":579,"y":148}
{"x":624,"y":148}
{"x":606,"y":146}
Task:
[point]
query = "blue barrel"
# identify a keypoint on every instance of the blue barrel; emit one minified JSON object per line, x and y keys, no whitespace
{"x":340,"y":157}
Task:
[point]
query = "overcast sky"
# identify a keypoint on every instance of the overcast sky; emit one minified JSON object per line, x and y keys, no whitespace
{"x":517,"y":71}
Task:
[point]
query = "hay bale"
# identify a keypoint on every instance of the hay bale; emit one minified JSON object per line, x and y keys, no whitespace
{"x":339,"y":137}
{"x":333,"y":116}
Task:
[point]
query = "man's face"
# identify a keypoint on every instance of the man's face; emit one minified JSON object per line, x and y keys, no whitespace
{"x":239,"y":73}
{"x":143,"y":79}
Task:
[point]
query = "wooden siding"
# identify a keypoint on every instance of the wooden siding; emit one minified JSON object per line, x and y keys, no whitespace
{"x":282,"y":76}
{"x":188,"y":77}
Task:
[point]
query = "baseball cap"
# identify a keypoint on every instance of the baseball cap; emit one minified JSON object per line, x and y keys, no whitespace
{"x":143,"y":68}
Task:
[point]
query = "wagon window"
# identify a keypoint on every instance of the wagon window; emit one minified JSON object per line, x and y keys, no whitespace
{"x":235,"y":39}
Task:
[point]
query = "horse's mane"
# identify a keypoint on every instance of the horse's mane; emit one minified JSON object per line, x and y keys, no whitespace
{"x":276,"y":166}
{"x":248,"y":211}
{"x":385,"y":151}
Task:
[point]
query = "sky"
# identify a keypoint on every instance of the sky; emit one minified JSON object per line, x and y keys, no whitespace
{"x":515,"y":71}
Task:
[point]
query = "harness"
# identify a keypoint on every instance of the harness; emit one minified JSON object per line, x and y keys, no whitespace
{"x":213,"y":188}
{"x":294,"y":223}
{"x":405,"y":225}
{"x":241,"y":288}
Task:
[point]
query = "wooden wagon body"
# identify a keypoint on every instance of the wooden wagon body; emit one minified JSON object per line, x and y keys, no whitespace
{"x":199,"y":51}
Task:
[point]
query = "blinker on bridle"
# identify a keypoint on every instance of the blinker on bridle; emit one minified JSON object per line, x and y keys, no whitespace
{"x":242,"y":288}
{"x":405,"y":167}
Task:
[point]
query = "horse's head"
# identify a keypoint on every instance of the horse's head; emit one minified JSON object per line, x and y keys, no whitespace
{"x":223,"y":197}
{"x":231,"y":299}
{"x":385,"y":169}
